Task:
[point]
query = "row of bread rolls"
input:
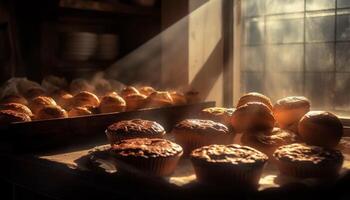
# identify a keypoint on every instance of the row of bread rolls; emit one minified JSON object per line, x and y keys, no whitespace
{"x":300,"y":142}
{"x":38,"y":104}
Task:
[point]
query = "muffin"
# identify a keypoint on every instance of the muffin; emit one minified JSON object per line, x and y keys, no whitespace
{"x":9,"y":116}
{"x":135,"y":101}
{"x":178,"y":98}
{"x":85,"y":99}
{"x":192,"y":97}
{"x":195,"y":133}
{"x":289,"y":110}
{"x":51,"y":112}
{"x":136,"y":128}
{"x":17,"y":107}
{"x":268,"y":142}
{"x":252,"y":117}
{"x":38,"y":103}
{"x":112,"y":103}
{"x":146,"y":90}
{"x":79,"y":111}
{"x":156,"y":157}
{"x":13,"y":99}
{"x":218,"y":114}
{"x":128,"y":91}
{"x":159,"y":99}
{"x":230,"y":165}
{"x":304,"y":161}
{"x":321,"y":128}
{"x":254,"y":97}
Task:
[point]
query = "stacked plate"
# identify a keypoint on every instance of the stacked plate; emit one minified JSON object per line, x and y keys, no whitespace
{"x":78,"y":45}
{"x":107,"y":48}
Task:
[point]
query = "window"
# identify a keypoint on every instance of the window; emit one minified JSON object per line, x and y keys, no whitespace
{"x":297,"y":47}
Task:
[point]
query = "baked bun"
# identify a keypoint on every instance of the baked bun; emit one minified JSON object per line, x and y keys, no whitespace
{"x":321,"y":128}
{"x":218,"y":114}
{"x":79,"y":111}
{"x":39,"y":102}
{"x":17,"y":107}
{"x":159,"y":99}
{"x":128,"y":90}
{"x":289,"y":110}
{"x":253,"y":116}
{"x":33,"y":92}
{"x":51,"y":112}
{"x":254,"y":97}
{"x":9,"y":116}
{"x":14,"y":99}
{"x":135,"y":101}
{"x":178,"y":98}
{"x":85,"y":99}
{"x":136,"y":128}
{"x":146,"y":90}
{"x":112,"y":103}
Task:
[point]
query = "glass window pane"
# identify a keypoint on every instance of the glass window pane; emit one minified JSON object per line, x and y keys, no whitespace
{"x":253,"y":7}
{"x":279,"y":85}
{"x":285,"y":29}
{"x":254,"y":31}
{"x":342,"y":94}
{"x":284,"y":6}
{"x":320,"y":27}
{"x":343,"y":28}
{"x":319,"y":89}
{"x":320,"y":57}
{"x":253,"y":59}
{"x":343,"y":57}
{"x":285,"y":57}
{"x":320,"y":4}
{"x":251,"y":82}
{"x":343,"y":3}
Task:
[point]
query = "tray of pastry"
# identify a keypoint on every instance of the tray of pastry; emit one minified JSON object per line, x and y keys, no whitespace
{"x":53,"y":113}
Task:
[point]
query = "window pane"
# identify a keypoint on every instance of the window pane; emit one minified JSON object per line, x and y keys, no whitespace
{"x":254,"y":31}
{"x":284,"y":6}
{"x":342,"y":94}
{"x":320,"y":4}
{"x":343,"y":57}
{"x":252,"y":81}
{"x":285,"y":57}
{"x":279,"y":85}
{"x":285,"y":29}
{"x":343,"y":28}
{"x":253,"y":59}
{"x":320,"y":27}
{"x":343,"y":3}
{"x":320,"y":57}
{"x":253,"y":7}
{"x":319,"y":89}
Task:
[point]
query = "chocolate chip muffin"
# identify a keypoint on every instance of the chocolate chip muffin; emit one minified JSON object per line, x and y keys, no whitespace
{"x":157,"y":157}
{"x":136,"y":128}
{"x":218,"y":114}
{"x":195,"y":133}
{"x":268,"y":142}
{"x":252,"y":117}
{"x":289,"y":110}
{"x":321,"y":128}
{"x":305,"y":161}
{"x":9,"y":116}
{"x":233,"y":164}
{"x":254,"y":97}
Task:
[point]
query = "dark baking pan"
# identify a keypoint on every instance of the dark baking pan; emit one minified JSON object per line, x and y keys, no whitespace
{"x":46,"y":134}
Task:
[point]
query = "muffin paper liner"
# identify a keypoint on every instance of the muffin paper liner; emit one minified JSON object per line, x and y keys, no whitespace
{"x":155,"y":166}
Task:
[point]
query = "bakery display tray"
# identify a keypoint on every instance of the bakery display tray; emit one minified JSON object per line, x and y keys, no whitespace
{"x":94,"y":164}
{"x":46,"y":134}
